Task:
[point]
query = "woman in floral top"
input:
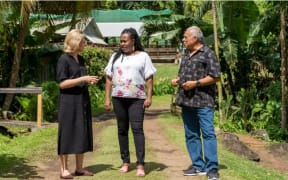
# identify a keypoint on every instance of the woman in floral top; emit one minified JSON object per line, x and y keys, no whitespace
{"x":129,"y":80}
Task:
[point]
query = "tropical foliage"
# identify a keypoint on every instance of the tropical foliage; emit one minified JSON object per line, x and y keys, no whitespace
{"x":96,"y":60}
{"x":252,"y":57}
{"x":248,"y":34}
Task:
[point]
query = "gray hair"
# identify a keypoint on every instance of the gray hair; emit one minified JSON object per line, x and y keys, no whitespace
{"x":196,"y":31}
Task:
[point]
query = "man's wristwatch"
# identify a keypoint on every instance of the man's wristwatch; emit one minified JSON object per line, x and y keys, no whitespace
{"x":198,"y":84}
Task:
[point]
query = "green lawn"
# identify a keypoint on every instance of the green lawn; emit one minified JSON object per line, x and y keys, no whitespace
{"x":16,"y":153}
{"x":41,"y":146}
{"x":231,"y":165}
{"x":107,"y":156}
{"x":168,"y":71}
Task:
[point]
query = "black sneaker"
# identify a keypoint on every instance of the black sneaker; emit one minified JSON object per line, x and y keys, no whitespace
{"x":213,"y":174}
{"x":193,"y":172}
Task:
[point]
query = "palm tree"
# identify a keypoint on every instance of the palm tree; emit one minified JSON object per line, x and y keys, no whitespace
{"x":216,"y":42}
{"x":185,"y":14}
{"x":283,"y":12}
{"x":48,"y":7}
{"x":234,"y":19}
{"x":26,"y":7}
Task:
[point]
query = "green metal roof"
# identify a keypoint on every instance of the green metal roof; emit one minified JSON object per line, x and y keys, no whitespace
{"x":120,"y":15}
{"x":117,"y":15}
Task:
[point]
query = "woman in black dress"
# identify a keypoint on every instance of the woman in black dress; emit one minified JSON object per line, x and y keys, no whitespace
{"x":74,"y":116}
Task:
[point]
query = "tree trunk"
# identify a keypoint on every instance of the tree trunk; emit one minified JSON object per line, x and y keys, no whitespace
{"x":25,"y":12}
{"x":283,"y":67}
{"x":73,"y":21}
{"x":219,"y":84}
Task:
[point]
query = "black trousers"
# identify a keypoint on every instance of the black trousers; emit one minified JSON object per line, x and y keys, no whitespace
{"x":130,"y":110}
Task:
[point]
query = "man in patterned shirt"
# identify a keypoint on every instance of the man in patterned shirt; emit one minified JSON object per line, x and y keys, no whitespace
{"x":199,"y":71}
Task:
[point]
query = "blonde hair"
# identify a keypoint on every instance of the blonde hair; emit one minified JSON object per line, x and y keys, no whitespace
{"x":72,"y":40}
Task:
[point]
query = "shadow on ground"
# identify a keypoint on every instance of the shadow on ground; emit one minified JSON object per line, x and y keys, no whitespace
{"x":104,"y":116}
{"x":99,"y":168}
{"x":152,"y":166}
{"x":149,"y":113}
{"x":15,"y":167}
{"x":153,"y":113}
{"x":149,"y":167}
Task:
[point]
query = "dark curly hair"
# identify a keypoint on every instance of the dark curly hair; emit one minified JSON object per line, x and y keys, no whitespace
{"x":137,"y":43}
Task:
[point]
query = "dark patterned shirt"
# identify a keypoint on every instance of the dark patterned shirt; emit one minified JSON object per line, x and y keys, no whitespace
{"x":201,"y":64}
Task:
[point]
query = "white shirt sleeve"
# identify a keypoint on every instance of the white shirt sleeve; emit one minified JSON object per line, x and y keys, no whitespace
{"x":108,"y":68}
{"x":149,"y":67}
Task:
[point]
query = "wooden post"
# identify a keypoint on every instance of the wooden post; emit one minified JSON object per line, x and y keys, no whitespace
{"x":39,"y":110}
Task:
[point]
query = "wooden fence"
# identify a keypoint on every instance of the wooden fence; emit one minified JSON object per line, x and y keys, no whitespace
{"x":36,"y":90}
{"x":159,"y":54}
{"x":162,"y":55}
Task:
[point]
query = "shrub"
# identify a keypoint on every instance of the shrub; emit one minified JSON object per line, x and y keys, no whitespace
{"x":96,"y":60}
{"x":96,"y":97}
{"x":50,"y":100}
{"x":28,"y":103}
{"x":163,"y":86}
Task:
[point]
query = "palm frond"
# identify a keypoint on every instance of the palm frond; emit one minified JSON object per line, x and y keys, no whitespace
{"x":230,"y":51}
{"x":202,"y":9}
{"x":66,"y":7}
{"x":262,"y":26}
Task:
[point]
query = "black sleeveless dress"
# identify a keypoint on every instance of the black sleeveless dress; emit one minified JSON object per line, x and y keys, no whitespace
{"x":75,"y":134}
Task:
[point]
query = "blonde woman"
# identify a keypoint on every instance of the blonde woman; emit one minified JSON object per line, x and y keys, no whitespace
{"x":74,"y":113}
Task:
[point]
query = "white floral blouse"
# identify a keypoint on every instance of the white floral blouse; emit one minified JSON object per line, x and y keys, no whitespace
{"x":129,"y":75}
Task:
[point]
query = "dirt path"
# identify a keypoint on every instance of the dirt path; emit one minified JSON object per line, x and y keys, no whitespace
{"x":156,"y":139}
{"x":267,"y":158}
{"x":166,"y":153}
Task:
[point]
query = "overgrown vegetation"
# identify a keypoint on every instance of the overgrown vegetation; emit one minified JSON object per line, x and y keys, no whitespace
{"x":96,"y":60}
{"x":251,"y":110}
{"x":36,"y":147}
{"x":28,"y":103}
{"x":230,"y":164}
{"x":249,"y":53}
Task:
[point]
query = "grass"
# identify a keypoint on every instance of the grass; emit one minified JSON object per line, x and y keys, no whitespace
{"x":167,"y":71}
{"x":99,"y":110}
{"x":231,"y":166}
{"x":107,"y":156}
{"x":40,"y":145}
{"x":158,"y":101}
{"x":17,"y":152}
